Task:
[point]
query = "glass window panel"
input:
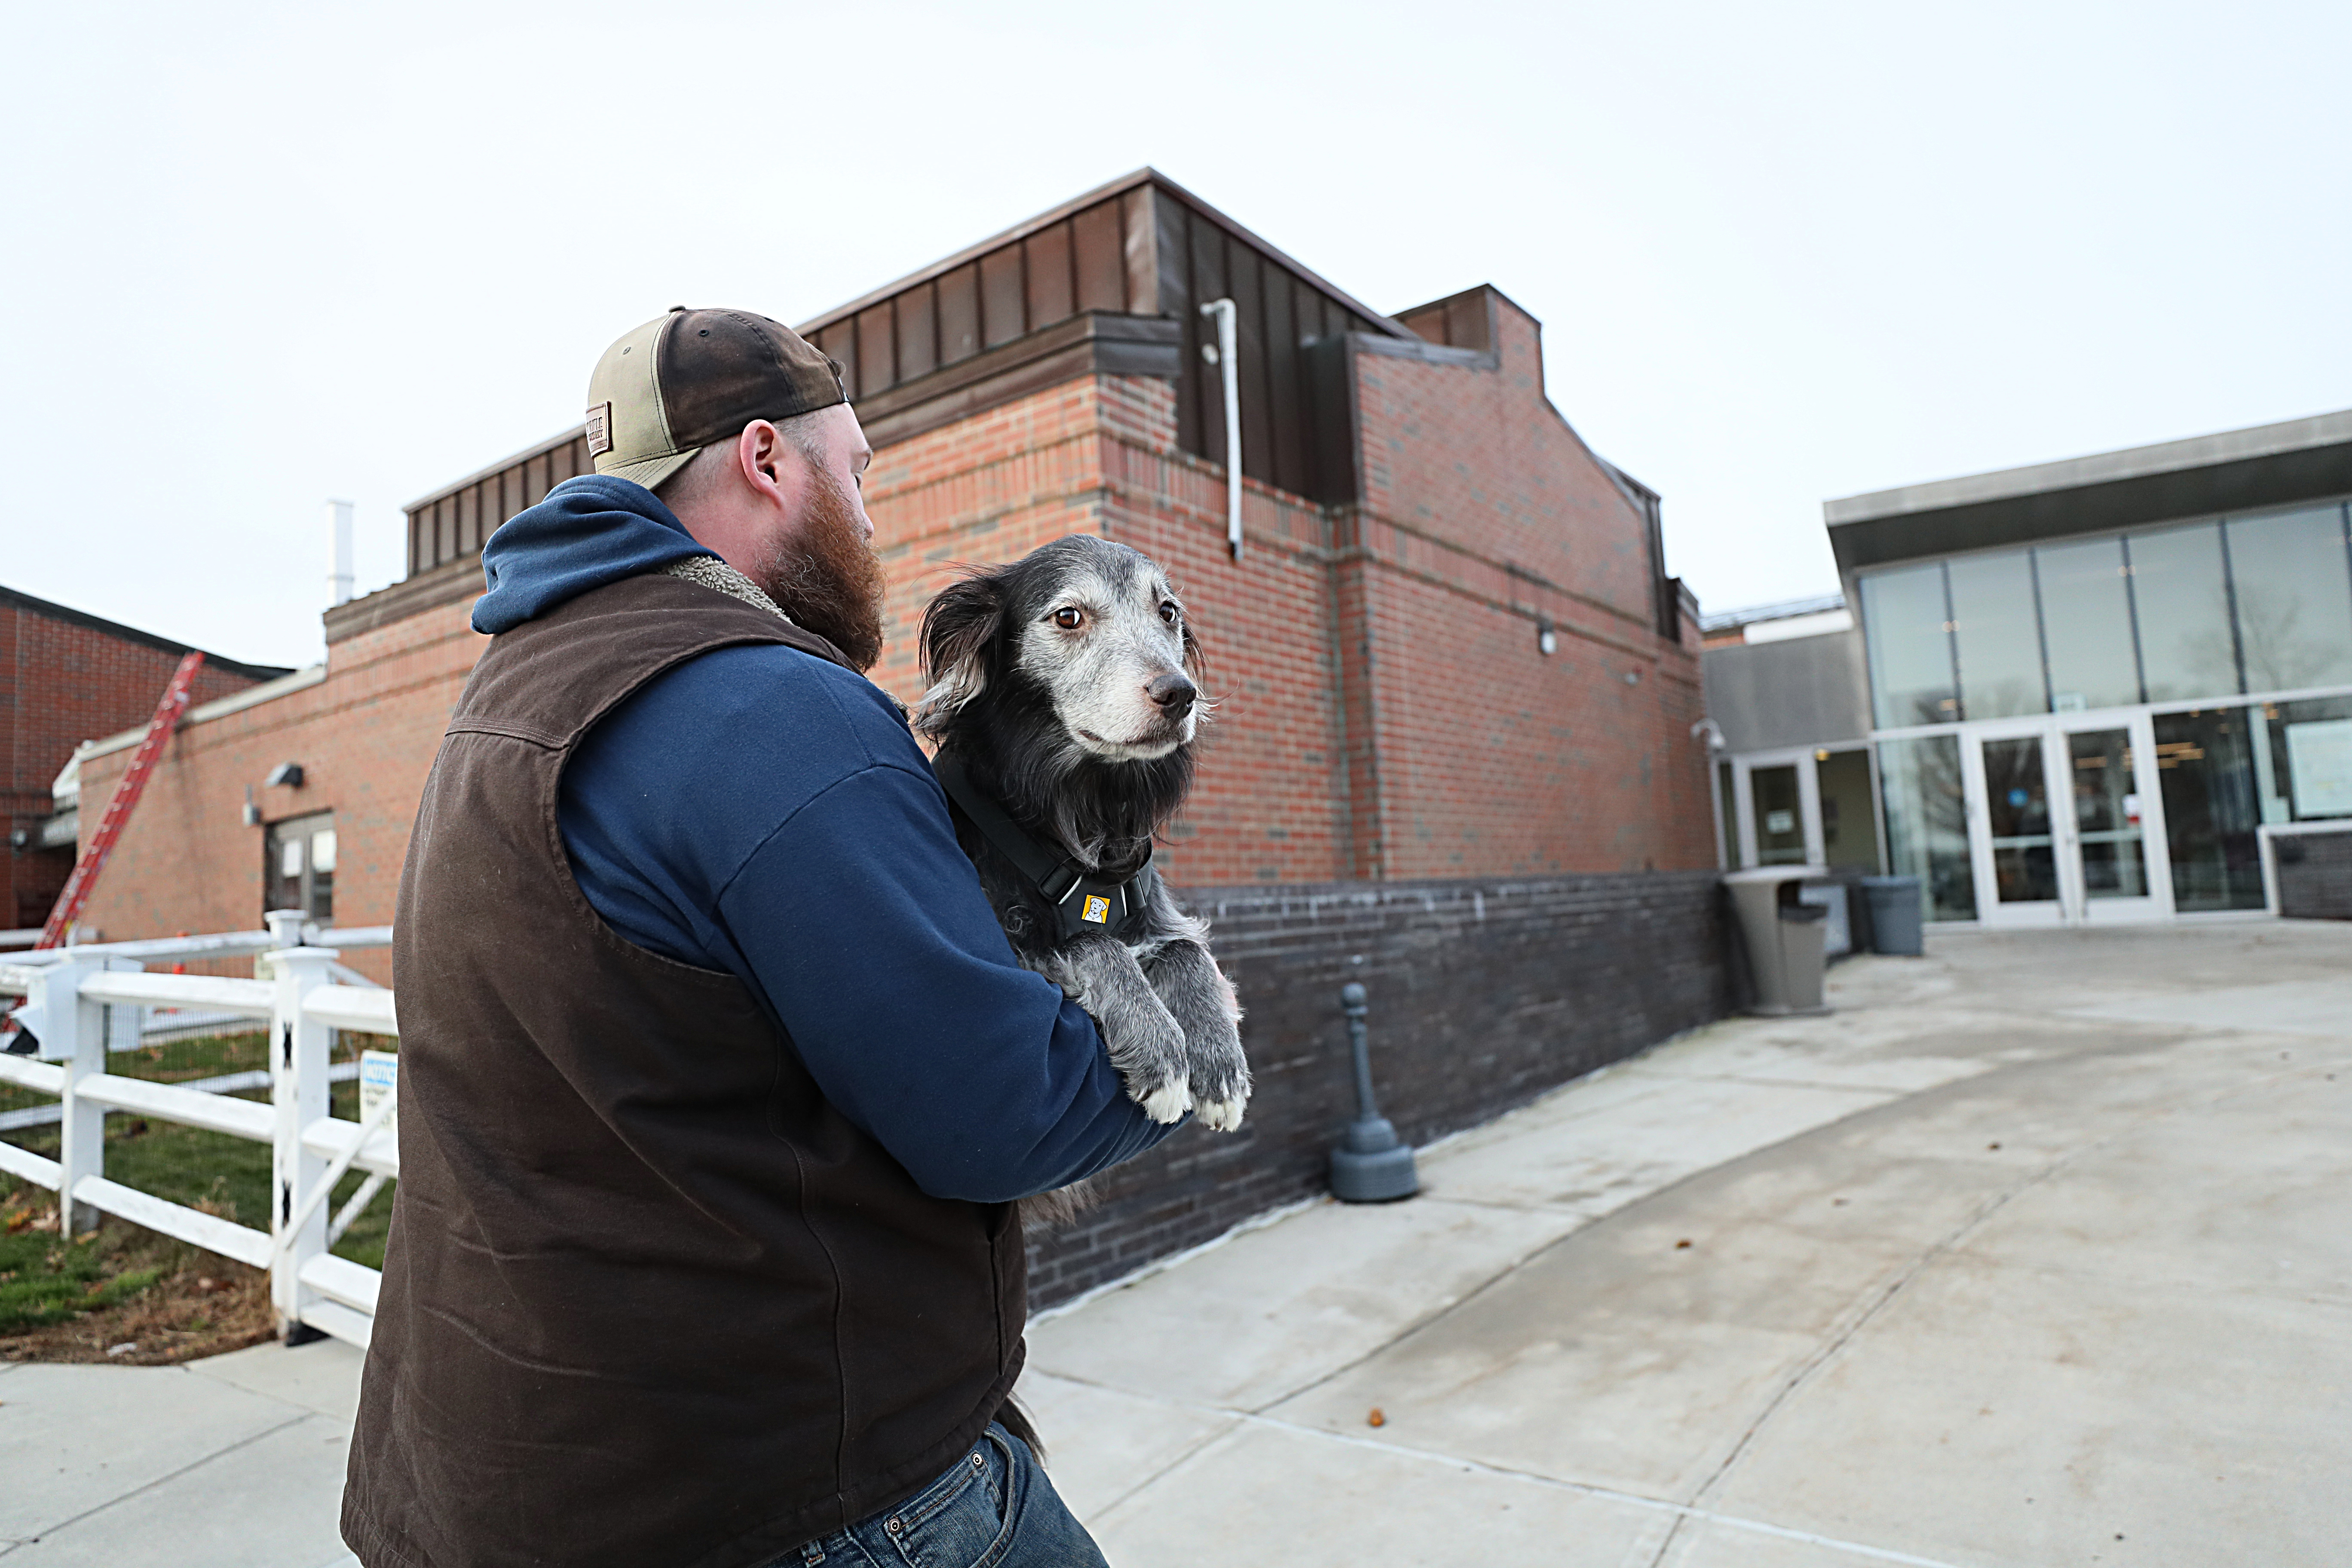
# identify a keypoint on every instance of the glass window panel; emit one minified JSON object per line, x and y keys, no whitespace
{"x":1849,"y":826}
{"x":2107,"y":814}
{"x":298,"y":858}
{"x":2310,"y":755}
{"x":2086,"y":623}
{"x":2295,"y":598}
{"x":1728,"y":804}
{"x":1927,"y":822}
{"x":1779,"y":817}
{"x":2205,"y":766}
{"x":2183,"y":609}
{"x":2017,"y":798}
{"x":1999,"y":646}
{"x":1905,"y":627}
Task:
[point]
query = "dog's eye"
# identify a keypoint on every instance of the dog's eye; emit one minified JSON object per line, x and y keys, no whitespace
{"x":1069,"y":618}
{"x":1168,"y":611}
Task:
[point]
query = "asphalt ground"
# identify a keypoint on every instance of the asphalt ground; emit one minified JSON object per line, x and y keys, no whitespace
{"x":2038,"y":1250}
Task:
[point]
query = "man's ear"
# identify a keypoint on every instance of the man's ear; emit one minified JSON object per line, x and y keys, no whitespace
{"x":958,"y":628}
{"x":767,"y":463}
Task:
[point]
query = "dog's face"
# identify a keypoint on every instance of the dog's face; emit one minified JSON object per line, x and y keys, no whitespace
{"x":1091,"y":627}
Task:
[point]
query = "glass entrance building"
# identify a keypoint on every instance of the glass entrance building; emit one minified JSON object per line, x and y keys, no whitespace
{"x":2110,"y":688}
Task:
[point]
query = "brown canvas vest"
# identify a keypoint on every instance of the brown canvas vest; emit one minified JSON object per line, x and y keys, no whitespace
{"x":648,"y":1300}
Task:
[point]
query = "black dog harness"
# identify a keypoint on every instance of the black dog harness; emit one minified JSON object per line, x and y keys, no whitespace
{"x":1086,"y":904}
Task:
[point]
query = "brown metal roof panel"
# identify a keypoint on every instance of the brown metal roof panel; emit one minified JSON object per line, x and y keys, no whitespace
{"x":916,"y":329}
{"x":958,"y":307}
{"x":1047,"y":256}
{"x":1098,"y":244}
{"x":576,"y":433}
{"x":1372,"y":321}
{"x":974,"y":252}
{"x":1002,"y":317}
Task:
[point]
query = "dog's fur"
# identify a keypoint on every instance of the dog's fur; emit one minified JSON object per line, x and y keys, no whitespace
{"x":1084,"y":733}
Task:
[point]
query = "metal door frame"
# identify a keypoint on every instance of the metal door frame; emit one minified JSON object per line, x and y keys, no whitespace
{"x":1809,"y":800}
{"x":2140,"y":728}
{"x":2073,"y":906}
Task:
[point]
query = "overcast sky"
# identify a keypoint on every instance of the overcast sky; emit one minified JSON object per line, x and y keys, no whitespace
{"x":259,"y":255}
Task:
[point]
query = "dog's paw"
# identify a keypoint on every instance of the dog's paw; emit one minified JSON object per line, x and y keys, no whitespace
{"x":1220,"y":1115}
{"x":1061,"y":972}
{"x":1220,"y":1075}
{"x":1167,"y":1103}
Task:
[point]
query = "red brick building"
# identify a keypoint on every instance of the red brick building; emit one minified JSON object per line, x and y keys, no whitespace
{"x":66,"y":677}
{"x":1448,"y":648}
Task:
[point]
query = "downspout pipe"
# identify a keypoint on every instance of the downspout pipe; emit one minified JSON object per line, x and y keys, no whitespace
{"x":1227,"y":359}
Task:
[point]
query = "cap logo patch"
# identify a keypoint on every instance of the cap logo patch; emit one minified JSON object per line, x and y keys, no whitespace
{"x":1097,"y":910}
{"x":600,"y":429}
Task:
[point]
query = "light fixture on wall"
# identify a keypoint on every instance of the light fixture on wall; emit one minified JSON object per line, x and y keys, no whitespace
{"x":1547,"y":639}
{"x":252,"y":812}
{"x":287,"y":773}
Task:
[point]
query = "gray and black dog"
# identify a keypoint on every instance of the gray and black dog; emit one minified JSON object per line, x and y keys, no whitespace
{"x":1065,"y":721}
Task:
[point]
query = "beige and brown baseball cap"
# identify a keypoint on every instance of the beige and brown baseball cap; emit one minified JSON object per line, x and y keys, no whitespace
{"x":682,"y":381}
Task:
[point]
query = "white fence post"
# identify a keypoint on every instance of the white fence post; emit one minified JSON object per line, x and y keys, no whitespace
{"x":74,"y":1032}
{"x":298,"y":1078}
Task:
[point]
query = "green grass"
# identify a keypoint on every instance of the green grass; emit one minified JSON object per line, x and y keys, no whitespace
{"x":227,"y":1176}
{"x":44,"y":1281}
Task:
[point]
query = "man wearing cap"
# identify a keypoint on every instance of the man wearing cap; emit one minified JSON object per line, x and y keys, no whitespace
{"x":719,"y":1079}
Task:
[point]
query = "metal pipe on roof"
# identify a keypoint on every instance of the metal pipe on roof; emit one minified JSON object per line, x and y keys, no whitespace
{"x":341,"y":576}
{"x":1227,"y":357}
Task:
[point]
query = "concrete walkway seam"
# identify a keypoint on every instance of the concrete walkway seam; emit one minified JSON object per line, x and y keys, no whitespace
{"x":1585,"y":1489}
{"x":49,"y":1531}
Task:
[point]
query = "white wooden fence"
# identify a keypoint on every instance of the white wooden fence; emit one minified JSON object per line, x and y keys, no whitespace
{"x":308,"y":995}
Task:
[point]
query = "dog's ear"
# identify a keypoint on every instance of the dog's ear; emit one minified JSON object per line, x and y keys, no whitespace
{"x":958,"y":626}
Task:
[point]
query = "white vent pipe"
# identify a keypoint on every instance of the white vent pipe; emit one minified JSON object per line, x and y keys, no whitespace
{"x":1227,"y":359}
{"x":338,"y":580}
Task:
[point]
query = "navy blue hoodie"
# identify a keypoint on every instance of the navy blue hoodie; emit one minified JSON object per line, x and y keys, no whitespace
{"x":763,"y":812}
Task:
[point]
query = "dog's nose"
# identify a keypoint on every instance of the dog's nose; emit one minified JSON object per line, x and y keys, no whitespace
{"x":1171,"y":693}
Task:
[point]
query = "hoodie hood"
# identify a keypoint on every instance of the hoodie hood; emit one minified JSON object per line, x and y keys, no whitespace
{"x":589,"y":531}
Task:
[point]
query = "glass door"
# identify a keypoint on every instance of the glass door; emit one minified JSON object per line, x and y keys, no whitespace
{"x":2109,"y":774}
{"x":2017,"y":836}
{"x":1779,"y":813}
{"x":2064,"y":820}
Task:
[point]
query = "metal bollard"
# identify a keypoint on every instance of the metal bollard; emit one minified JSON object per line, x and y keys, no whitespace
{"x":1371,"y":1166}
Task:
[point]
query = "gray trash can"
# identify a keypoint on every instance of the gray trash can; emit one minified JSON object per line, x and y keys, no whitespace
{"x":1783,"y":937}
{"x":1895,"y":916}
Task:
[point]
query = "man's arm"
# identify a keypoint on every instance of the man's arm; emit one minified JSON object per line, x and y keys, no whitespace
{"x":876,"y":948}
{"x":758,"y":812}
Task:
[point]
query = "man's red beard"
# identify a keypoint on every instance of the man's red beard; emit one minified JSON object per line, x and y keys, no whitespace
{"x":828,"y":578}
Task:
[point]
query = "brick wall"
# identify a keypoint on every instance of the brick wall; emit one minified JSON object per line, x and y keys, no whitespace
{"x":63,"y":681}
{"x":1384,"y":718}
{"x":1484,"y":994}
{"x":365,"y":736}
{"x":1382,"y":709}
{"x":1484,"y":519}
{"x":2315,"y":875}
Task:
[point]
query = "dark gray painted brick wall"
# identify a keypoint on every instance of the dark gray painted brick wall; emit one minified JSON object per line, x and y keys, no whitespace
{"x":2315,"y":875}
{"x":1485,"y":992}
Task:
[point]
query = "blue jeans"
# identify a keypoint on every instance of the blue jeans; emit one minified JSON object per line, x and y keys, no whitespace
{"x":992,"y":1508}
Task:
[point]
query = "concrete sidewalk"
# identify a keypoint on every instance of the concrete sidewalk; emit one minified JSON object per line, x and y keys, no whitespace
{"x":2038,"y":1251}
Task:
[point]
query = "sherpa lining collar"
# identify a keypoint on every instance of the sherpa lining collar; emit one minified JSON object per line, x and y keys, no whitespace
{"x":716,"y":575}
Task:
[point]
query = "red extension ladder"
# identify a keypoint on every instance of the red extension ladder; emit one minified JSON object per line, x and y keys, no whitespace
{"x":127,"y":792}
